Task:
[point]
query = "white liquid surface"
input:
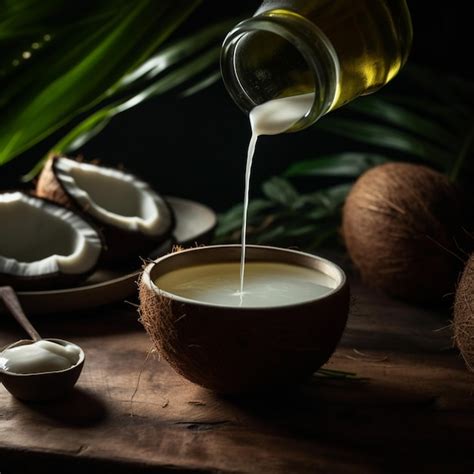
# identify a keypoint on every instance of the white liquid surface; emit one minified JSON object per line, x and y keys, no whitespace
{"x":266,"y":284}
{"x":40,"y":356}
{"x":270,"y":118}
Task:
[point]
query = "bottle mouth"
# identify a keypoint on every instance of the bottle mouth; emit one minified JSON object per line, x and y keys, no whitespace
{"x":279,"y":54}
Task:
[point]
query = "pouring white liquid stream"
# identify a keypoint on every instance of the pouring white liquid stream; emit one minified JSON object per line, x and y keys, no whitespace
{"x":270,"y":118}
{"x":267,"y":284}
{"x":38,"y":357}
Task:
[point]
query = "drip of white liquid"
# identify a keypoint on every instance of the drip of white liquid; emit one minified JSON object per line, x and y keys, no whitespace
{"x":267,"y":284}
{"x":270,"y":118}
{"x":39,"y":356}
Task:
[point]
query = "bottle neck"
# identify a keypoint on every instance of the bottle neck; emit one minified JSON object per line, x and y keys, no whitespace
{"x":276,"y":54}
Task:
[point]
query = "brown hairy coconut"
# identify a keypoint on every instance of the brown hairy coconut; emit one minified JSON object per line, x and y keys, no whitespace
{"x":133,"y":218}
{"x":464,"y":314}
{"x":241,"y":349}
{"x":404,"y":226}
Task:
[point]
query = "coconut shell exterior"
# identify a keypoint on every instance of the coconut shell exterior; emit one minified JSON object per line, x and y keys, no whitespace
{"x":405,"y":228}
{"x":50,"y":188}
{"x":234,"y":351}
{"x":121,"y":246}
{"x":464,"y":314}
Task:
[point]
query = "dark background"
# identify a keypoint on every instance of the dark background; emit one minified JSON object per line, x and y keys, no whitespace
{"x":195,"y":147}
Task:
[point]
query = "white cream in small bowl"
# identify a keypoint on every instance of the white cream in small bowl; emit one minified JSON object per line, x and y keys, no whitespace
{"x":40,"y":370}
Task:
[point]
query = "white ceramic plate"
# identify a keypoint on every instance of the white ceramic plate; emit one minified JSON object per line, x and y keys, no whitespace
{"x":195,"y":223}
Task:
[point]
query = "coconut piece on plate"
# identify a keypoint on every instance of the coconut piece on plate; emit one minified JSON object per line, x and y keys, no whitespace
{"x":43,"y":245}
{"x":132,"y":216}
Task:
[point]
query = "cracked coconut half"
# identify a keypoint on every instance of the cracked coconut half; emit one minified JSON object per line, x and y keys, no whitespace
{"x":133,"y":218}
{"x":43,"y":245}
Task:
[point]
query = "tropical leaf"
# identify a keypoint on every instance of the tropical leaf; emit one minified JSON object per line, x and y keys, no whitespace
{"x":83,"y":63}
{"x":100,"y":119}
{"x":231,"y":221}
{"x":280,"y":191}
{"x":172,"y":55}
{"x":462,"y":155}
{"x":344,"y":165}
{"x":205,"y":82}
{"x":273,"y":234}
{"x":170,"y":68}
{"x":96,"y":122}
{"x":392,"y":114}
{"x":387,"y":137}
{"x":29,"y":18}
{"x":429,"y":108}
{"x":287,"y":217}
{"x":329,"y":199}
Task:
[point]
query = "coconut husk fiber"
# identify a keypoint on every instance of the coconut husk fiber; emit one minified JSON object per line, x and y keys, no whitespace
{"x":406,"y":228}
{"x":464,"y":314}
{"x":241,"y":350}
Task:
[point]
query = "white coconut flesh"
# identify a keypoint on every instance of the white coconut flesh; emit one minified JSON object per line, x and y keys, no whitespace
{"x":39,"y":238}
{"x":114,"y":197}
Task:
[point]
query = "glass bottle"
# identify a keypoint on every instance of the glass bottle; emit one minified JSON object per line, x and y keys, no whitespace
{"x":336,"y":49}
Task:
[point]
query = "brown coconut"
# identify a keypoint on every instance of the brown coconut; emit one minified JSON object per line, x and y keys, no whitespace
{"x":121,"y":244}
{"x":464,"y":314}
{"x":405,"y":227}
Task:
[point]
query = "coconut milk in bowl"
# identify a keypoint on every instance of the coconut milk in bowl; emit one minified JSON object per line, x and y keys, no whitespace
{"x":284,"y":326}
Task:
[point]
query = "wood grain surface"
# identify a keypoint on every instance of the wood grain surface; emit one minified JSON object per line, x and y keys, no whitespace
{"x":410,"y":410}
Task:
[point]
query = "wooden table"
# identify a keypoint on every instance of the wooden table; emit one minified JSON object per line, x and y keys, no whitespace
{"x":411,"y":410}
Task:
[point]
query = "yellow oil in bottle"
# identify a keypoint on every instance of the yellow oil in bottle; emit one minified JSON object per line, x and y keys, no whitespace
{"x":372,"y":39}
{"x":288,"y":43}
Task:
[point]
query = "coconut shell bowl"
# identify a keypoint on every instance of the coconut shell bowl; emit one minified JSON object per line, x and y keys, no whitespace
{"x":238,"y":350}
{"x":42,"y":386}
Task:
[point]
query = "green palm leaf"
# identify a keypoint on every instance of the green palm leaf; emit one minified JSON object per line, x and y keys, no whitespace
{"x":404,"y":119}
{"x":170,"y":68}
{"x":86,"y":64}
{"x":172,"y":55}
{"x":286,"y":217}
{"x":280,"y":191}
{"x":387,"y":137}
{"x":344,"y":165}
